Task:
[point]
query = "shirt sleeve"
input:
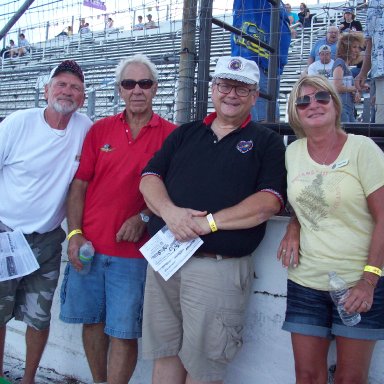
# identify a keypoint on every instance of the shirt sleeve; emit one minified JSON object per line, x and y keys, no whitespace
{"x":371,"y":177}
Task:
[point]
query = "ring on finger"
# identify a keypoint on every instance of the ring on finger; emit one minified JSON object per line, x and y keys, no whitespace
{"x":366,"y":304}
{"x":283,"y":251}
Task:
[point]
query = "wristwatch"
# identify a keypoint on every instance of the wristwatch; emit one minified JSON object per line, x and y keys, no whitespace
{"x":144,"y":217}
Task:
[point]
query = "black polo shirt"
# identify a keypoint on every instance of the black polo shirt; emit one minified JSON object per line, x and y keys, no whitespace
{"x":203,"y":173}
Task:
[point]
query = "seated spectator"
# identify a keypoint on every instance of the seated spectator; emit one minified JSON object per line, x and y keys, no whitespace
{"x":85,"y":29}
{"x":140,"y":25}
{"x":12,"y":49}
{"x":330,"y":40}
{"x":109,"y":23}
{"x":150,"y":23}
{"x":350,"y":24}
{"x":348,"y":53}
{"x":323,"y":66}
{"x":82,"y":24}
{"x":304,"y":16}
{"x":66,"y":32}
{"x":23,"y":45}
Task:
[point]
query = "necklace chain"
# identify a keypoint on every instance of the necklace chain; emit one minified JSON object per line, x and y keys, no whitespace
{"x":328,"y":152}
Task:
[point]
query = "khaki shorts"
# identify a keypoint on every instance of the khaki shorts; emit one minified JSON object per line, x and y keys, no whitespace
{"x":198,"y":314}
{"x":29,"y":298}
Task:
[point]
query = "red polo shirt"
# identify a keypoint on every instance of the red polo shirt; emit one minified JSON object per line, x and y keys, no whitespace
{"x":112,"y":162}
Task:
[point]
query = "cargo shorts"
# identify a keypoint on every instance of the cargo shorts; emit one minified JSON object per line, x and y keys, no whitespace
{"x":29,"y":298}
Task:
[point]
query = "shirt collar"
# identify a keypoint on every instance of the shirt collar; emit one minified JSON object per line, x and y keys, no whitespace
{"x":208,"y":120}
{"x":153,"y":122}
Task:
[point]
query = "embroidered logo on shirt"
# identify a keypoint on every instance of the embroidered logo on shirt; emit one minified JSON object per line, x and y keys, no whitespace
{"x":106,"y":148}
{"x":244,"y":146}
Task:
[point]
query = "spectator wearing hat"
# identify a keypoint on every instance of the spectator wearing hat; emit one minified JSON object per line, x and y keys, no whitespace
{"x":193,"y":322}
{"x":39,"y":154}
{"x":373,"y":58}
{"x":331,"y":40}
{"x":350,"y":24}
{"x":150,"y":23}
{"x":324,"y":65}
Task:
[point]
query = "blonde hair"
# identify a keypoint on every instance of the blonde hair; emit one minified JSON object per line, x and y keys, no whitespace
{"x":320,"y":83}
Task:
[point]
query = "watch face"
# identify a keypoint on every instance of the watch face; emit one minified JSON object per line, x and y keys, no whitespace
{"x":144,"y":217}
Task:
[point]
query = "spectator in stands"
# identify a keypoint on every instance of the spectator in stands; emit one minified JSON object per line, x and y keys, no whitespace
{"x":293,"y":19}
{"x":82,"y":24}
{"x":106,"y":208}
{"x":193,"y":322}
{"x":304,"y":16}
{"x":85,"y":29}
{"x":66,"y":32}
{"x":348,"y":53}
{"x":12,"y":48}
{"x":324,"y":65}
{"x":253,"y":18}
{"x":39,"y":152}
{"x":109,"y":23}
{"x":373,"y":58}
{"x":350,"y":24}
{"x":150,"y":23}
{"x":336,"y":190}
{"x":331,"y":40}
{"x":23,"y":45}
{"x":140,"y":24}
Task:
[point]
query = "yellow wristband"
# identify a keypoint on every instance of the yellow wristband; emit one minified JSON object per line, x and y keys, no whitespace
{"x":211,"y":222}
{"x":375,"y":270}
{"x":74,"y":232}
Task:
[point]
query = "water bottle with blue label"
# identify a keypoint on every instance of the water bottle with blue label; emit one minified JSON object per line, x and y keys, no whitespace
{"x":86,"y":253}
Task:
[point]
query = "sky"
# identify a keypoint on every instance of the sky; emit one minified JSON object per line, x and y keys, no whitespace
{"x":124,"y":13}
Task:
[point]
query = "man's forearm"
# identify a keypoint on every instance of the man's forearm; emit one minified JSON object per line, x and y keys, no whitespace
{"x":155,"y":194}
{"x":75,"y":204}
{"x":250,"y":212}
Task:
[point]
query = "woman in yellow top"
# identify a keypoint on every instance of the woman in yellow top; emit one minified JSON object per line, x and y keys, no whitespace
{"x":336,"y":189}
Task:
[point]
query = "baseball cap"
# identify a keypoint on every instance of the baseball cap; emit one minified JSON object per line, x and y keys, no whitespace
{"x":67,"y":66}
{"x":349,"y":10}
{"x":237,"y":68}
{"x":325,"y":48}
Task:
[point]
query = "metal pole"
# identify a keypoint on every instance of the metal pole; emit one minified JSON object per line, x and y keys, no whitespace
{"x":185,"y":89}
{"x":204,"y":58}
{"x":273,"y":65}
{"x":12,"y":21}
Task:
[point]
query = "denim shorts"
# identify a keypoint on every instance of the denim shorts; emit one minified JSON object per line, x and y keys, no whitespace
{"x":111,"y":293}
{"x":311,"y":312}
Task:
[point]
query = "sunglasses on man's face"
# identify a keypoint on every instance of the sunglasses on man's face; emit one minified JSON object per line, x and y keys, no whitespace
{"x":322,"y":97}
{"x":131,"y":84}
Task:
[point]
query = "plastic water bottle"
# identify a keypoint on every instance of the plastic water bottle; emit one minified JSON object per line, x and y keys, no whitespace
{"x":86,"y":253}
{"x":339,"y":292}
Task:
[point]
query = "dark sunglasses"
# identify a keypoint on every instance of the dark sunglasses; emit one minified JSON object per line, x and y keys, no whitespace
{"x":322,"y":97}
{"x":130,"y":84}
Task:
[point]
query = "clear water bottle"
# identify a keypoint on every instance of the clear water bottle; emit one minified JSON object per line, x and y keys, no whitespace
{"x":339,"y":292}
{"x":86,"y":253}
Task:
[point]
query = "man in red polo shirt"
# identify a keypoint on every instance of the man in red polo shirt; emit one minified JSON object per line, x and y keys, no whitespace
{"x":106,"y":208}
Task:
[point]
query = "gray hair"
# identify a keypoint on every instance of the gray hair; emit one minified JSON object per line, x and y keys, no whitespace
{"x":139,"y":58}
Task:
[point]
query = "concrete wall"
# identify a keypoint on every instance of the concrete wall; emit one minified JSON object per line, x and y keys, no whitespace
{"x":265,"y":358}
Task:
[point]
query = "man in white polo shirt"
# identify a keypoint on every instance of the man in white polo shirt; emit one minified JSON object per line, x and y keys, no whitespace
{"x":39,"y":154}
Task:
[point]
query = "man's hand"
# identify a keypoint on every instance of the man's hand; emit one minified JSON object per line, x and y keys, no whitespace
{"x":181,"y":222}
{"x":131,"y":230}
{"x":74,"y":245}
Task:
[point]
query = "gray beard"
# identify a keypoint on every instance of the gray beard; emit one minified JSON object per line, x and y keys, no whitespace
{"x":64,"y":109}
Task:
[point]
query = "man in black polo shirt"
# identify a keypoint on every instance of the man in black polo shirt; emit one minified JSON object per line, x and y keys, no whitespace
{"x":221,"y":179}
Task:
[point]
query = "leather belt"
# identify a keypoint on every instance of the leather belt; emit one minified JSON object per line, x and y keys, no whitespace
{"x":211,"y":256}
